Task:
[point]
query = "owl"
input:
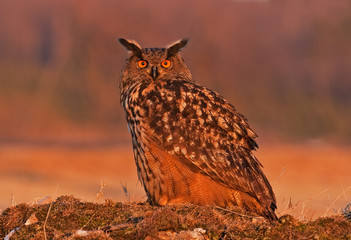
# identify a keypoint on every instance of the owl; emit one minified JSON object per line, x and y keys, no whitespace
{"x":190,"y":144}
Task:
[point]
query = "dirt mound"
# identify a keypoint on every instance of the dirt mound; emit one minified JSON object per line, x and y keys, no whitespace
{"x":70,"y":218}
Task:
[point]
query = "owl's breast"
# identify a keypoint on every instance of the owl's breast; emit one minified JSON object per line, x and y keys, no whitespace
{"x":157,"y":110}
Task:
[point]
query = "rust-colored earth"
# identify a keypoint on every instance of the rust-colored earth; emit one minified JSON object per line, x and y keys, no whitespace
{"x":309,"y":180}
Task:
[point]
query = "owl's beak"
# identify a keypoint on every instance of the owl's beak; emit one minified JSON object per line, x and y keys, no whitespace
{"x":154,"y":73}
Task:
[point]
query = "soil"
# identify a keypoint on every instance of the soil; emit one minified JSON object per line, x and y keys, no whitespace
{"x":70,"y":218}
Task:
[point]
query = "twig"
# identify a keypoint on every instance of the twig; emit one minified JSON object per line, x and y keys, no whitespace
{"x":88,"y":220}
{"x":125,"y":191}
{"x":13,"y":231}
{"x":47,"y":215}
{"x":81,"y":232}
{"x":302,"y":216}
{"x":338,"y":197}
{"x":100,"y":194}
{"x":343,"y":191}
{"x":13,"y":203}
{"x":290,"y":207}
{"x":117,"y":227}
{"x":85,"y":233}
{"x":46,"y":219}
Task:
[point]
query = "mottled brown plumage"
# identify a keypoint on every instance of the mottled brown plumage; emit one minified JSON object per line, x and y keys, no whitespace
{"x":190,"y":144}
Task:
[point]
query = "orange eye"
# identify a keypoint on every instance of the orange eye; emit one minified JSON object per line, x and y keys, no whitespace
{"x":166,"y":63}
{"x":142,"y":63}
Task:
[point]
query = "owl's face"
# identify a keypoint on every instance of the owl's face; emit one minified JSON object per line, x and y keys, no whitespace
{"x":153,"y":64}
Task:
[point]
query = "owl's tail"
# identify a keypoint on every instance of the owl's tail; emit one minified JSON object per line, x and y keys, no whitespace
{"x":270,"y":214}
{"x":251,"y":204}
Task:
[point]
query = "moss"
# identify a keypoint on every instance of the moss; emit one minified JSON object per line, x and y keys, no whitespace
{"x":119,"y":220}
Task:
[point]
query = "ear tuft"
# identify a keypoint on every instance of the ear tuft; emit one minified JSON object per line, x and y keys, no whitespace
{"x":131,"y":45}
{"x":175,"y":47}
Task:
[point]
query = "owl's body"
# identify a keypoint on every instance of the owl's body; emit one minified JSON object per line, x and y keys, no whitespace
{"x":190,"y":144}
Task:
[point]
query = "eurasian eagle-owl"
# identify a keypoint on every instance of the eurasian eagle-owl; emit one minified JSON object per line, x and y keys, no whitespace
{"x":190,"y":144}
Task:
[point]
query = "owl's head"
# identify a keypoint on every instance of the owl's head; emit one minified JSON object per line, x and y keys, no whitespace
{"x":153,"y":64}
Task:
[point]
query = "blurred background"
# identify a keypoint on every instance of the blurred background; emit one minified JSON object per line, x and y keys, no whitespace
{"x":284,"y":64}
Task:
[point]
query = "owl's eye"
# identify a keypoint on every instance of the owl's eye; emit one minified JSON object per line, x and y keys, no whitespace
{"x":142,"y":63}
{"x":166,"y":63}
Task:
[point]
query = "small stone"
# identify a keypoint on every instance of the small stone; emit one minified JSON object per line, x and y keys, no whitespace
{"x":197,"y":234}
{"x":163,"y":235}
{"x":200,"y":230}
{"x":32,"y":219}
{"x":45,"y":200}
{"x":82,"y":233}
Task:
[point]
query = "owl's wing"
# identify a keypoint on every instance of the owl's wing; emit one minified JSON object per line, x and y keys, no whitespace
{"x":205,"y":130}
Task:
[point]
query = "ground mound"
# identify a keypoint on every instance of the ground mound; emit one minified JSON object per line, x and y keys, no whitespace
{"x":70,"y":218}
